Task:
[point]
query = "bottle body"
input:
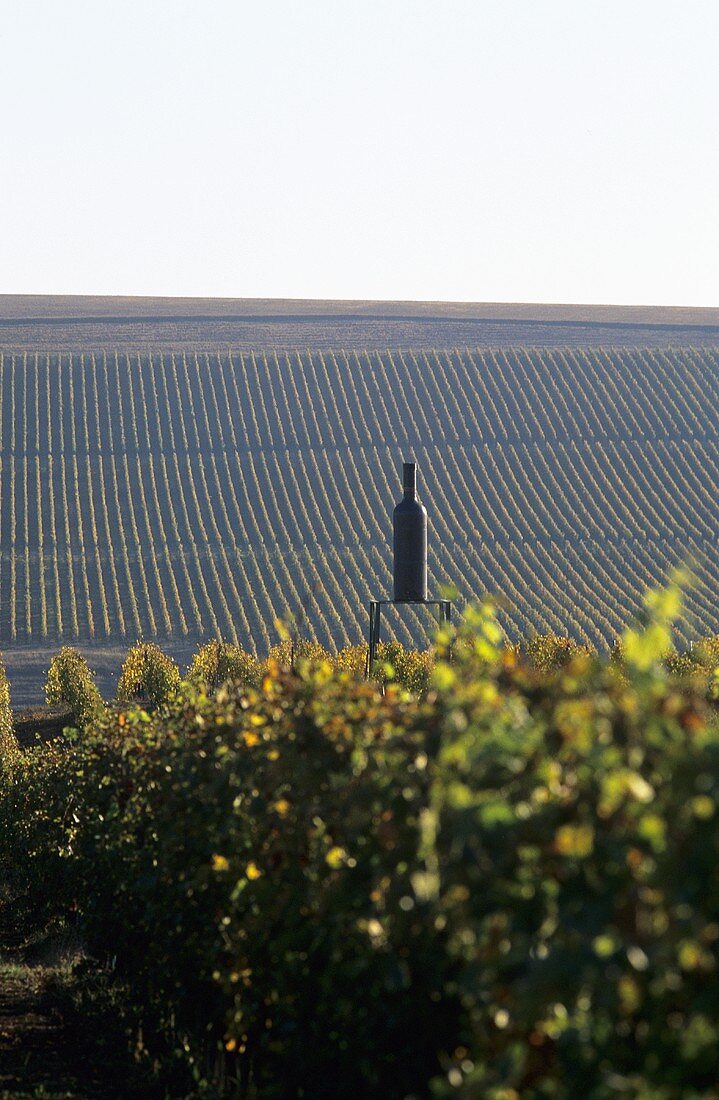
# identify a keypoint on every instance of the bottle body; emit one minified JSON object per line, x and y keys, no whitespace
{"x":409,"y":522}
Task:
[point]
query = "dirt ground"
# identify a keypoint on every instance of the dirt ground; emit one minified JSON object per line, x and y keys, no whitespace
{"x":49,"y":1048}
{"x":27,"y":666}
{"x":41,"y":1054}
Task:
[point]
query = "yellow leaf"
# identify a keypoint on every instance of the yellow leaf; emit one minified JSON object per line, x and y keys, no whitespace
{"x":444,"y":677}
{"x":604,"y":945}
{"x":252,"y":870}
{"x":618,"y":784}
{"x":220,"y":863}
{"x":690,"y":955}
{"x":250,"y":739}
{"x":492,"y":631}
{"x":629,"y":993}
{"x":702,"y":806}
{"x":282,"y":806}
{"x":651,"y":827}
{"x":574,"y":840}
{"x":335,"y":857}
{"x":643,"y":649}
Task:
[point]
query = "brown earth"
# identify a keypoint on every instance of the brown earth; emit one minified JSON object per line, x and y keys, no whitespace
{"x":27,"y":666}
{"x":64,"y":323}
{"x":41,"y":1054}
{"x":50,"y":1050}
{"x":77,"y":306}
{"x":33,"y":724}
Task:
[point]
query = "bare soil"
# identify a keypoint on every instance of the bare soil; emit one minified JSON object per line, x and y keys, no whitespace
{"x":41,"y":1053}
{"x":27,"y":665}
{"x":49,"y":1049}
{"x":66,"y":323}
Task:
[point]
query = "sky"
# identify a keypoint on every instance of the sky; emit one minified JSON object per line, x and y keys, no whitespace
{"x":489,"y":150}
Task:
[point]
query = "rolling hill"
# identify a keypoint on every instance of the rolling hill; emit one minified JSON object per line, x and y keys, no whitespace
{"x":157,"y":482}
{"x":186,"y":495}
{"x":66,"y":323}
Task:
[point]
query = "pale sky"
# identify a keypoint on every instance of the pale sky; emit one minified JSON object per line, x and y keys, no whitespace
{"x":488,"y":150}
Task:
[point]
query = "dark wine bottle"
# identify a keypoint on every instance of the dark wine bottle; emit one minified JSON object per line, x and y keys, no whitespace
{"x":410,"y":541}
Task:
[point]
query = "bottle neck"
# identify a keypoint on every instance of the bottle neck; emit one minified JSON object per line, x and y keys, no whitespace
{"x":409,"y":480}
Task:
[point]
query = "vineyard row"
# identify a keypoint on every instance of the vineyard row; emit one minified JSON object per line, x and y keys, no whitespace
{"x":197,"y":496}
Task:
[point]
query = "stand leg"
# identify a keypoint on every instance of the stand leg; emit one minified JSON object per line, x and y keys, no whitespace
{"x":370,"y":641}
{"x":374,"y":628}
{"x":444,"y":617}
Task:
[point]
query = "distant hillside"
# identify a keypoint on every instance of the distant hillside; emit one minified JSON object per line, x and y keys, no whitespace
{"x":183,"y":496}
{"x":74,"y":323}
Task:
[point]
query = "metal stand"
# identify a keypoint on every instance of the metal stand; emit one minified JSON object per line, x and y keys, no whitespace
{"x":444,"y":615}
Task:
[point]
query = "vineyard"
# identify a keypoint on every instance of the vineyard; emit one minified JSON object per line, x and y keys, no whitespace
{"x":187,"y":496}
{"x":504,"y":886}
